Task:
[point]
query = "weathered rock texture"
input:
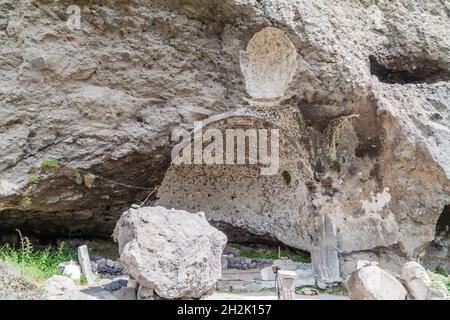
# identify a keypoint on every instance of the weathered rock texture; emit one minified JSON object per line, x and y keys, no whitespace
{"x":13,"y":285}
{"x":174,"y":253}
{"x":249,"y":193}
{"x":419,"y":284}
{"x":373,"y":283}
{"x":371,"y":88}
{"x":365,"y":150}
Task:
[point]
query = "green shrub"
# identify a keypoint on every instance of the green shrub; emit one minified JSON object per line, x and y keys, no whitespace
{"x":234,"y":245}
{"x":336,"y":166}
{"x":50,"y":164}
{"x":33,"y":179}
{"x":26,"y":200}
{"x":32,"y":170}
{"x":36,"y":264}
{"x":268,"y":253}
{"x":441,"y":270}
{"x":439,"y":279}
{"x":76,"y":173}
{"x":286,"y":177}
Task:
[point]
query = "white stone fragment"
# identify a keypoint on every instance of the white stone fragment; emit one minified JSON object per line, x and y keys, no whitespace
{"x":373,"y":283}
{"x":71,"y":270}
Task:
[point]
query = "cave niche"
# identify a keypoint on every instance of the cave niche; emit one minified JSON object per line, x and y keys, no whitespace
{"x":408,"y":70}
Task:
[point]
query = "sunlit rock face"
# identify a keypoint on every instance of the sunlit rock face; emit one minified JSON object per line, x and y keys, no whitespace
{"x":268,"y":64}
{"x":250,"y":193}
{"x":267,"y":198}
{"x":356,"y":176}
{"x":239,"y":194}
{"x":370,"y":93}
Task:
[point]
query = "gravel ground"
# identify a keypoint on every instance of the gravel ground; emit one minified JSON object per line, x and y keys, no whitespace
{"x":270,"y":296}
{"x":13,"y":285}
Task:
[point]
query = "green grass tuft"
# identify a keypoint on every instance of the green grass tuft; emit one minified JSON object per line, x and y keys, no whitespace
{"x":33,"y":180}
{"x":32,"y":170}
{"x":439,"y":279}
{"x":336,"y":166}
{"x":76,"y":173}
{"x":441,"y":270}
{"x":50,"y":164}
{"x":268,"y":253}
{"x":82,"y":281}
{"x":234,"y":245}
{"x":286,"y":177}
{"x":26,"y":201}
{"x":36,"y":264}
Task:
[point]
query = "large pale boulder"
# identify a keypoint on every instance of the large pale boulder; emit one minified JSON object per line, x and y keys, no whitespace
{"x":57,"y":288}
{"x":373,"y":283}
{"x":419,"y":284}
{"x":174,"y":252}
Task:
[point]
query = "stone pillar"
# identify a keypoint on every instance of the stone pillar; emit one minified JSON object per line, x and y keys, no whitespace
{"x":287,"y":280}
{"x":324,"y":256}
{"x":85,"y":263}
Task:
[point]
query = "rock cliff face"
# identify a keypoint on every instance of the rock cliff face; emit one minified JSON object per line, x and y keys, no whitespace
{"x":371,"y":88}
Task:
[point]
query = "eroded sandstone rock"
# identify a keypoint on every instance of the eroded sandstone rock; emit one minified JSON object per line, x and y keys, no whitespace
{"x":13,"y":285}
{"x":174,"y":253}
{"x":419,"y":284}
{"x":57,"y":288}
{"x":373,"y":283}
{"x":371,"y":90}
{"x":353,"y":189}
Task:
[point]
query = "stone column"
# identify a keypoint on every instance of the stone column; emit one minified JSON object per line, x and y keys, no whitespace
{"x":287,"y":280}
{"x":85,"y":263}
{"x":324,"y":256}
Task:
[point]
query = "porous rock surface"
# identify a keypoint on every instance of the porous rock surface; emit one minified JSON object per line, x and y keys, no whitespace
{"x":174,"y":253}
{"x":13,"y":285}
{"x":371,"y":87}
{"x":373,"y":283}
{"x":419,"y":284}
{"x":358,"y":162}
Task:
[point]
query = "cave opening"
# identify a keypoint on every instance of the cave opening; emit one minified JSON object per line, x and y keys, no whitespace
{"x":443,"y":224}
{"x":437,"y":256}
{"x":242,"y":244}
{"x":259,"y":245}
{"x":403,"y":70}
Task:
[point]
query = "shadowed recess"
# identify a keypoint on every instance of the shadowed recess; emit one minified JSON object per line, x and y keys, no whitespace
{"x":408,"y":71}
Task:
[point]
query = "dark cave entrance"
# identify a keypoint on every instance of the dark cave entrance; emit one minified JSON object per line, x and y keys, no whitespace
{"x":437,"y":256}
{"x":259,"y":246}
{"x":404,"y":70}
{"x":443,"y":224}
